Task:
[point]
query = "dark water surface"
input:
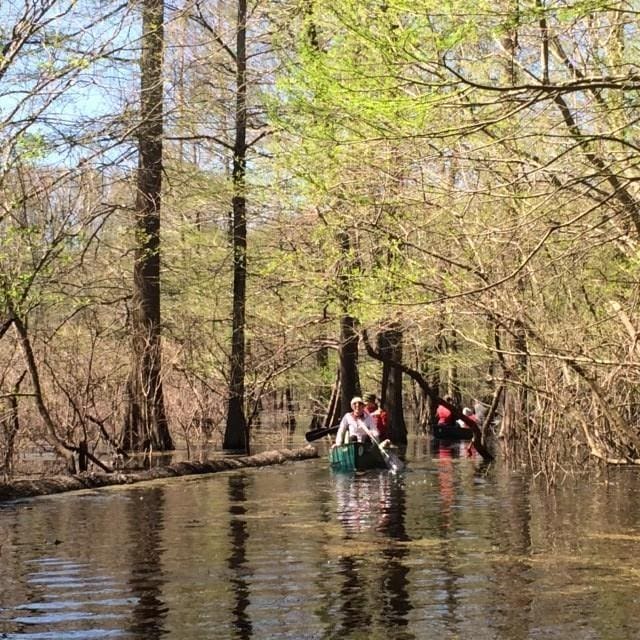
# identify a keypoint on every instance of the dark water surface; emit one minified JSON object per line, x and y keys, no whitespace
{"x":448,"y":550}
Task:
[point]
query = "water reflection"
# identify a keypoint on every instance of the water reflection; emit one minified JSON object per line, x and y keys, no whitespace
{"x":395,"y":604}
{"x":238,"y":558}
{"x":372,"y":503}
{"x":512,"y":541}
{"x":353,"y":610}
{"x":146,"y":523}
{"x":446,"y":550}
{"x":446,"y":486}
{"x":445,"y":455}
{"x":363,"y":501}
{"x":83,"y":569}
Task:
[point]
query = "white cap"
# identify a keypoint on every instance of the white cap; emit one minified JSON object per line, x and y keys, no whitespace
{"x":355,"y":400}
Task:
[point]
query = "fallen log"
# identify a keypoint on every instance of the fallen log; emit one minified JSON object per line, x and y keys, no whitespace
{"x":22,"y":488}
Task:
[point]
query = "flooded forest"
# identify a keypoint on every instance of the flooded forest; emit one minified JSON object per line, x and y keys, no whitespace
{"x":221,"y":220}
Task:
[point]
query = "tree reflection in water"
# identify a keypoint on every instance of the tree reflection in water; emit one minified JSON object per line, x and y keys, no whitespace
{"x":354,"y":608}
{"x":445,"y":453}
{"x":374,"y":588}
{"x":395,"y":604}
{"x":237,"y":560}
{"x":446,"y":550}
{"x":146,"y":522}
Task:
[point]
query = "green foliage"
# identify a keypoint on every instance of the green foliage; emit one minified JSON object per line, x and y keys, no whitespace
{"x":395,"y":133}
{"x":31,"y":147}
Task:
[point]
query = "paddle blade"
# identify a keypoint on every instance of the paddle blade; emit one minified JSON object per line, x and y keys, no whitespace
{"x":394,"y":464}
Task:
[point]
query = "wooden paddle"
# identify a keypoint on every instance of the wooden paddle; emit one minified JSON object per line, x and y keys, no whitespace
{"x":316,"y":434}
{"x":393,"y":464}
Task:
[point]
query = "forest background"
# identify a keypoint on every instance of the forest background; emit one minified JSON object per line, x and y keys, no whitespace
{"x":208,"y":209}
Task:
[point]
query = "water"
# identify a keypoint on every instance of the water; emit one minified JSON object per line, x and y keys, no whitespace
{"x":447,"y":550}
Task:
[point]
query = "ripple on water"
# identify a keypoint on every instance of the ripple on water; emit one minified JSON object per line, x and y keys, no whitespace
{"x":297,"y":552}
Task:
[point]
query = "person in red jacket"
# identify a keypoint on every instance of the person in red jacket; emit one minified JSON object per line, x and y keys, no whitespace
{"x":379,"y":416}
{"x":444,"y":415}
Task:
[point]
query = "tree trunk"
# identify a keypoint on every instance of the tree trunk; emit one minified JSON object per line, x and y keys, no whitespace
{"x":348,"y":349}
{"x":146,"y":422}
{"x":11,"y":424}
{"x":62,"y":448}
{"x":236,"y":434}
{"x":333,"y":415}
{"x":349,"y":376}
{"x":290,"y":409}
{"x":321,"y":397}
{"x":390,"y":347}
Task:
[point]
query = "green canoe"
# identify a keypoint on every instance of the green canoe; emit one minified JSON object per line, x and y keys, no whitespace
{"x":356,"y":456}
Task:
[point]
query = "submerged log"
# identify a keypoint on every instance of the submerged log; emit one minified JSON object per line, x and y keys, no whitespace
{"x":19,"y":489}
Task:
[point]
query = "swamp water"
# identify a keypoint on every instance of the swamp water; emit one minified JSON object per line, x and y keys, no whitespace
{"x":446,"y":550}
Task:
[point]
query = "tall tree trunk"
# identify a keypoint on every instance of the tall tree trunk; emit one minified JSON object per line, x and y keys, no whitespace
{"x":447,"y":372}
{"x":146,"y":422}
{"x":349,"y":377}
{"x":453,"y":378}
{"x":348,"y":349}
{"x":236,"y":435}
{"x":390,"y":347}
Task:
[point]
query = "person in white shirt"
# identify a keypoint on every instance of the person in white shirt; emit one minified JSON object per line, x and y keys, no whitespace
{"x":355,"y":424}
